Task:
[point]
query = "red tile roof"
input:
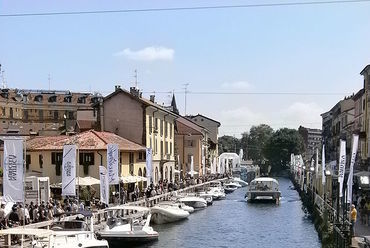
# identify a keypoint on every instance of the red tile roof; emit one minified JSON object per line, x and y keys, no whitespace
{"x":89,"y":140}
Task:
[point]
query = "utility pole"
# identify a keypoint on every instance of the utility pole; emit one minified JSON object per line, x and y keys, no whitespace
{"x":186,"y":92}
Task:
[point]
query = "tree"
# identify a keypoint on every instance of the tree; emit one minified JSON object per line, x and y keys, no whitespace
{"x":281,"y":144}
{"x":244,"y":144}
{"x":228,"y":143}
{"x":257,"y":140}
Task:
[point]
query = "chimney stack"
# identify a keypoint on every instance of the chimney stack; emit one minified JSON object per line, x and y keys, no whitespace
{"x":134,"y":91}
{"x":152,"y":98}
{"x":117,"y":87}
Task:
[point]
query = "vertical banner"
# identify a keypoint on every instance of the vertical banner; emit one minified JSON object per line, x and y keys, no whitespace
{"x":148,"y":165}
{"x":350,"y":176}
{"x":69,"y":170}
{"x":203,"y":162}
{"x":104,"y":185}
{"x":112,"y":163}
{"x":342,"y":166}
{"x":323,"y":165}
{"x":317,"y":163}
{"x":13,"y":175}
{"x":191,"y":166}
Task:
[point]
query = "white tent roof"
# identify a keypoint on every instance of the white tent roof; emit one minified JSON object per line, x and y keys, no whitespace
{"x":133,"y":179}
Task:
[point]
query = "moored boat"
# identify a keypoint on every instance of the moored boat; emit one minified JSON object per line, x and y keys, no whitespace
{"x":193,"y":201}
{"x":166,"y":213}
{"x":133,"y":229}
{"x":230,"y":187}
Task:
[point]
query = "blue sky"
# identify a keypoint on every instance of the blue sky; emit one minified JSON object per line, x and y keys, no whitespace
{"x":320,"y":48}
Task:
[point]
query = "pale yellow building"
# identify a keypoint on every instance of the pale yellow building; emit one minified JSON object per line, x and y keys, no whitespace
{"x":44,"y":155}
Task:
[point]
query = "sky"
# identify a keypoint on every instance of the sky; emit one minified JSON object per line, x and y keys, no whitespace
{"x":316,"y":51}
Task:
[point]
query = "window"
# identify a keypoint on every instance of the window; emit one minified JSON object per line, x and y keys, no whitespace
{"x":161,"y":148}
{"x":81,"y":99}
{"x":140,"y":156}
{"x":28,"y":161}
{"x":165,"y":129}
{"x":170,"y":130}
{"x":156,"y":125}
{"x":131,"y":158}
{"x":189,"y":143}
{"x":87,"y":158}
{"x":11,"y":112}
{"x":150,"y":124}
{"x":41,"y":115}
{"x":56,"y":115}
{"x":166,"y":147}
{"x":161,"y":127}
{"x":170,"y":148}
{"x":155,"y":146}
{"x":56,"y":157}
{"x":25,"y":115}
{"x":41,"y":161}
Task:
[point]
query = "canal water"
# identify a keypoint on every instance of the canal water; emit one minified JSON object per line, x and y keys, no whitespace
{"x":235,"y":223}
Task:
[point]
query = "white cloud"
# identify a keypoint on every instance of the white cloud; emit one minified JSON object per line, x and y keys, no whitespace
{"x":305,"y":114}
{"x":238,"y":85}
{"x":148,"y":53}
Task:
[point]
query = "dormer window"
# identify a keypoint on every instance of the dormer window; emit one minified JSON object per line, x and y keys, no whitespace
{"x":68,"y":98}
{"x":38,"y":98}
{"x":81,"y":99}
{"x":52,"y":98}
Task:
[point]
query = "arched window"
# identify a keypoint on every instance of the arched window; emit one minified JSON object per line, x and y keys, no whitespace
{"x":144,"y":174}
{"x":140,"y":173}
{"x":171,"y":174}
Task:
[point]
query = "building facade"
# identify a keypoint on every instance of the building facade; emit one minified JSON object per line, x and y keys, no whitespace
{"x":312,"y":141}
{"x":43,"y":112}
{"x":133,"y":117}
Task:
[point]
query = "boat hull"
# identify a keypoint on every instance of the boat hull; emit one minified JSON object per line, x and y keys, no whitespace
{"x":118,"y":239}
{"x":162,"y":215}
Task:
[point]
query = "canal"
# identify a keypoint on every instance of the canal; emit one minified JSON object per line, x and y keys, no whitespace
{"x":235,"y":223}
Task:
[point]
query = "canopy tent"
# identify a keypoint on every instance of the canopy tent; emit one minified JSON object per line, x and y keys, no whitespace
{"x":177,"y":171}
{"x":194,"y":172}
{"x":81,"y":181}
{"x":133,"y":179}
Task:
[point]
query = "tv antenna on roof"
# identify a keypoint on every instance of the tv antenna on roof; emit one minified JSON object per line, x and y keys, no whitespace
{"x":136,"y":78}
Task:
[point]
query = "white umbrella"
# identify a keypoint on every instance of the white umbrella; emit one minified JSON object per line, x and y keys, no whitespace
{"x":176,"y":171}
{"x":87,"y":181}
{"x":133,"y":179}
{"x":194,"y":172}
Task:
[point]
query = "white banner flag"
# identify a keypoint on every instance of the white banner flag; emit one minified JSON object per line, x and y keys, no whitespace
{"x":323,"y":165}
{"x":104,"y":185}
{"x":112,"y":163}
{"x":350,"y":176}
{"x":342,"y":166}
{"x":69,"y":170}
{"x":13,"y":178}
{"x":149,"y":153}
{"x":317,"y":163}
{"x":214,"y":165}
{"x":192,"y":166}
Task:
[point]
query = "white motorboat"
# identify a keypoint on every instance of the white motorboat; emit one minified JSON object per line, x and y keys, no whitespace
{"x":73,"y":232}
{"x":217,"y":193}
{"x":205,"y":195}
{"x":166,"y":213}
{"x":263,"y":188}
{"x":180,"y":205}
{"x":133,"y":229}
{"x":236,"y":184}
{"x":193,"y":201}
{"x":230,"y":187}
{"x":240,"y":181}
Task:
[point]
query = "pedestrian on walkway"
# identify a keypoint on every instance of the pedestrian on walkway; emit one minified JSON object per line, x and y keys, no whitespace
{"x":353,"y":219}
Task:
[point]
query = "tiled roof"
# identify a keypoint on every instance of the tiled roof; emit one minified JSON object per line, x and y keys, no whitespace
{"x":185,"y":126}
{"x":89,"y":140}
{"x":30,"y":96}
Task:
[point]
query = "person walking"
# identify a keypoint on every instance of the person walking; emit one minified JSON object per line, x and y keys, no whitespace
{"x":353,"y":219}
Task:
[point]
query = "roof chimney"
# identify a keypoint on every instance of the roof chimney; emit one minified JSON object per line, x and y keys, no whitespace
{"x":117,"y":87}
{"x":152,"y":98}
{"x":134,"y":91}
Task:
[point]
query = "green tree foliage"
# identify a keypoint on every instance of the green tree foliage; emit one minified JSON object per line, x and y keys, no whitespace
{"x":279,"y":147}
{"x":244,"y":144}
{"x":228,"y":143}
{"x":257,"y":139}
